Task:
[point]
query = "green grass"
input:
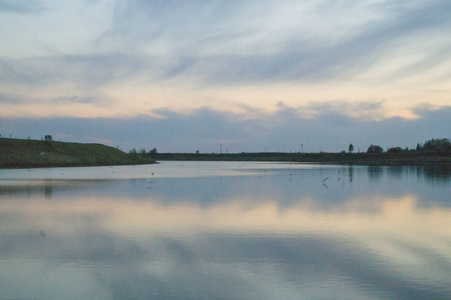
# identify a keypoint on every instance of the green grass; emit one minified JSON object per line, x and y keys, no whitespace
{"x":17,"y":153}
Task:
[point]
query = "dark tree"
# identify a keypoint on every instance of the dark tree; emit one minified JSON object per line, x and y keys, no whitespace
{"x":437,"y":145}
{"x":133,"y":154}
{"x":375,"y":149}
{"x":351,"y":147}
{"x":396,"y":150}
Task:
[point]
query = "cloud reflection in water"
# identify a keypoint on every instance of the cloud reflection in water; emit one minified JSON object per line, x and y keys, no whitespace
{"x":91,"y":242}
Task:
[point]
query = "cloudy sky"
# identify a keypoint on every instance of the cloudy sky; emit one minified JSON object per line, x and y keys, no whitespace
{"x":262,"y":75}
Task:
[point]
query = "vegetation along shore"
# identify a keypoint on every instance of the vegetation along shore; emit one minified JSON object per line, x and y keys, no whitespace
{"x":434,"y":151}
{"x":18,"y":153}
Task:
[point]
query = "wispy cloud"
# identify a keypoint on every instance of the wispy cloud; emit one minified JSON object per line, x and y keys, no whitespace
{"x":233,"y":42}
{"x":236,"y":42}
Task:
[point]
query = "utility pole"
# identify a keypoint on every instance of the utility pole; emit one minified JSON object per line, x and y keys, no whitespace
{"x":220,"y":148}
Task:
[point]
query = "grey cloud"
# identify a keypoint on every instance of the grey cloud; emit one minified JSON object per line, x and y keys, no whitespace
{"x":86,"y":71}
{"x":21,"y":6}
{"x":330,"y":127}
{"x":18,"y":99}
{"x":436,"y":58}
{"x":361,"y":109}
{"x":73,"y":99}
{"x":205,"y":129}
{"x":10,"y":99}
{"x":12,"y":71}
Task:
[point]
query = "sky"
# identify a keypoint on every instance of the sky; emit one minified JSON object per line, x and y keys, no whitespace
{"x":252,"y":76}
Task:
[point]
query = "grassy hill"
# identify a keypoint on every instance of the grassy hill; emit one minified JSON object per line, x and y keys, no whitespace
{"x":17,"y":153}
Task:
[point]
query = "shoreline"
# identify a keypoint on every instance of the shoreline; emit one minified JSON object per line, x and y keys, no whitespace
{"x":71,"y":166}
{"x":384,"y":159}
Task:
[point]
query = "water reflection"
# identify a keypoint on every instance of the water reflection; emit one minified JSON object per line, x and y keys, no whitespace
{"x":375,"y":172}
{"x":271,"y":235}
{"x":47,"y":191}
{"x":438,"y":173}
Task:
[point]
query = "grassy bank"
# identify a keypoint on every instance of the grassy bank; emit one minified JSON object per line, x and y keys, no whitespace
{"x":330,"y":158}
{"x":17,"y":153}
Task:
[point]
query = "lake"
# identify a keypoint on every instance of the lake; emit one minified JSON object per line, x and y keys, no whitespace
{"x":227,"y":230}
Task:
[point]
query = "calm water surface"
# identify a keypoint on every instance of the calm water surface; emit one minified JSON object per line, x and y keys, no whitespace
{"x":229,"y":230}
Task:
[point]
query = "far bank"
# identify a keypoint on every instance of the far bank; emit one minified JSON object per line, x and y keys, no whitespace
{"x":377,"y":159}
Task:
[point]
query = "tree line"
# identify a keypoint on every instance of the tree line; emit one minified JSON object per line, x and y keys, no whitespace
{"x":430,"y":146}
